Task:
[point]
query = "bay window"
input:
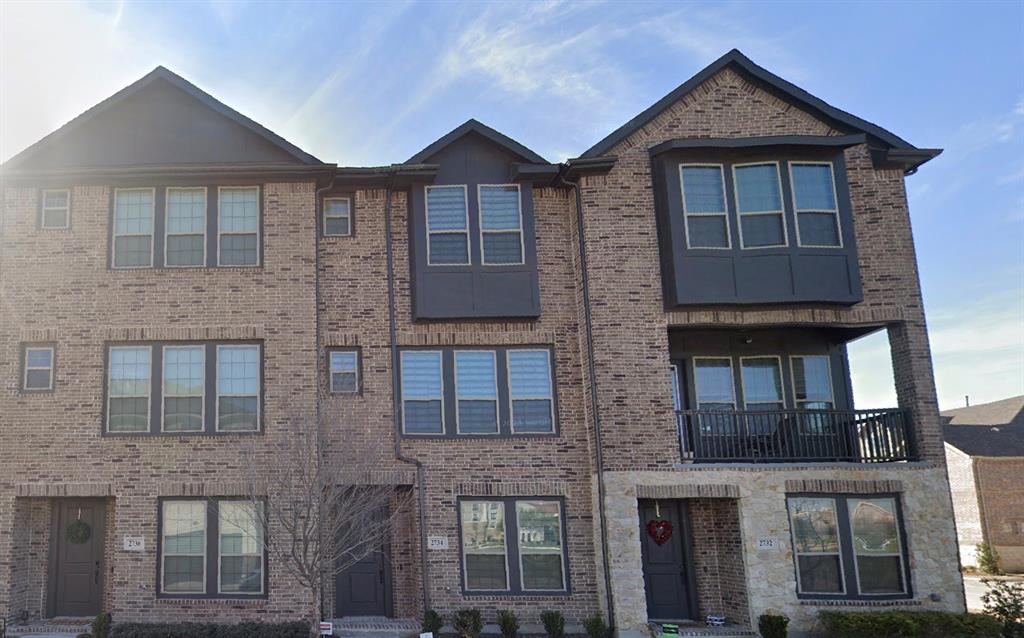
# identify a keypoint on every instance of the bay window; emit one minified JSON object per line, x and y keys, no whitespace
{"x":814,"y":202}
{"x":762,"y":220}
{"x":704,"y":208}
{"x":501,"y":224}
{"x":447,"y":226}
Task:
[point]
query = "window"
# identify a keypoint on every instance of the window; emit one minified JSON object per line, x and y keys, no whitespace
{"x":530,"y":390}
{"x":501,"y":224}
{"x":56,"y":209}
{"x":476,"y":392}
{"x":704,"y":208}
{"x":129,"y":389}
{"x":238,"y":226}
{"x":38,"y":368}
{"x":185,"y":238}
{"x":814,"y":201}
{"x":812,"y":383}
{"x":238,"y":388}
{"x":193,"y":564}
{"x":447,"y":226}
{"x":178,"y":388}
{"x":338,"y":216}
{"x":762,"y":383}
{"x":422,"y":393}
{"x":714,"y":383}
{"x":848,"y":546}
{"x":759,"y":205}
{"x":344,"y":371}
{"x":184,"y":385}
{"x":133,"y":227}
{"x":513,"y":545}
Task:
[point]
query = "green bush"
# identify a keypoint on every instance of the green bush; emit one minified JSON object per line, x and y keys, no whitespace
{"x":1005,"y":601}
{"x":468,"y":623}
{"x":773,"y":626}
{"x":101,"y":626}
{"x":432,"y":622}
{"x":988,"y":559}
{"x":596,"y":627}
{"x":296,"y":629}
{"x":554,"y":623}
{"x":83,"y":635}
{"x":908,"y":624}
{"x":508,"y":623}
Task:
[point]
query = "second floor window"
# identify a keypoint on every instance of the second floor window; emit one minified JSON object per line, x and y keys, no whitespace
{"x":447,"y":226}
{"x":501,"y":225}
{"x":186,"y":227}
{"x":238,"y":227}
{"x":38,"y":368}
{"x":337,"y":216}
{"x":133,"y":227}
{"x":56,"y":209}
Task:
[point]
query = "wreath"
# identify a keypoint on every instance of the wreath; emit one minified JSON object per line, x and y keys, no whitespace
{"x":660,"y":530}
{"x":78,"y":532}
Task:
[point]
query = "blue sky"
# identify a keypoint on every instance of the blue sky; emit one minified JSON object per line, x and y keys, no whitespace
{"x":372,"y":83}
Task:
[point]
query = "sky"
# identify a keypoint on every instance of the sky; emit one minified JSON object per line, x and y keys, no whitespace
{"x":372,"y":83}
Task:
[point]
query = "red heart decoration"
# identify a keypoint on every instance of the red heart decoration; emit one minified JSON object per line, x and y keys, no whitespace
{"x":660,"y":530}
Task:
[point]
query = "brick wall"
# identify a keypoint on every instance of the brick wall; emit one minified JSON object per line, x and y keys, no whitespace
{"x":965,"y":498}
{"x":1002,"y":508}
{"x":718,"y":558}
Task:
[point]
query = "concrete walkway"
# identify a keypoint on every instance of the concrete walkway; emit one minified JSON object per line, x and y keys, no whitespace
{"x":974,"y":588}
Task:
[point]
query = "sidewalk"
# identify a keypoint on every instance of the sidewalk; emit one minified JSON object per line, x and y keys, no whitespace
{"x":974,"y":588}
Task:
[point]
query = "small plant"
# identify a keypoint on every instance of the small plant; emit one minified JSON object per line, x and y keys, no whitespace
{"x":1005,"y":601}
{"x":432,"y":622}
{"x":988,"y":559}
{"x":596,"y":627}
{"x":468,"y":623}
{"x":101,"y":626}
{"x":554,"y":623}
{"x":84,"y":635}
{"x":508,"y":623}
{"x":773,"y":625}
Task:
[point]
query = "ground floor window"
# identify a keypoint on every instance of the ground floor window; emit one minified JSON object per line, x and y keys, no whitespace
{"x":211,"y":548}
{"x":848,"y":546}
{"x":513,"y":545}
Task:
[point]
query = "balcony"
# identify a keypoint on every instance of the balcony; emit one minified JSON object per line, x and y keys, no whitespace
{"x":794,"y":436}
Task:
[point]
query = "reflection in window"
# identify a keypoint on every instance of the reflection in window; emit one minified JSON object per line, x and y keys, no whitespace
{"x":128,"y":390}
{"x":816,"y":545}
{"x":238,"y":388}
{"x":876,"y":544}
{"x":483,"y":545}
{"x":184,"y":381}
{"x":240,"y":529}
{"x":540,"y":545}
{"x":184,"y":547}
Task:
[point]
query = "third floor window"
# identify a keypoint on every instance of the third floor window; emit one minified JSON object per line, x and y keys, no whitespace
{"x":500,"y":223}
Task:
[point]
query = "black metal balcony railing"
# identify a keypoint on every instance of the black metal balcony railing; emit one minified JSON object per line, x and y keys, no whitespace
{"x":787,"y":436}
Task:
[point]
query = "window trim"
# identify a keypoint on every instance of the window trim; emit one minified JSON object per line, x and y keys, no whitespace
{"x":725,"y":206}
{"x":111,"y":397}
{"x":561,"y":545}
{"x":505,"y":537}
{"x":114,"y":234}
{"x":782,"y":202}
{"x":162,"y":591}
{"x":348,"y":215}
{"x":25,"y":367}
{"x":401,"y":385}
{"x":466,"y":232}
{"x":551,"y":392}
{"x":163,"y":389}
{"x":43,"y":208}
{"x":696,"y":383}
{"x":839,"y":546}
{"x":797,"y":211}
{"x":221,"y":555}
{"x":259,"y":225}
{"x":455,"y":390}
{"x":259,"y":388}
{"x":828,"y":367}
{"x":782,"y":381}
{"x":206,"y":213}
{"x":330,"y":372}
{"x":519,"y":231}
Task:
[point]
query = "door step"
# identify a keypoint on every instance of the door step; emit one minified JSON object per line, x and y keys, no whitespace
{"x":55,"y":628}
{"x":375,"y":627}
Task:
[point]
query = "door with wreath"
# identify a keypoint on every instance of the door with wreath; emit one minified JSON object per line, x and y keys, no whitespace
{"x":76,"y":560}
{"x":666,"y":552}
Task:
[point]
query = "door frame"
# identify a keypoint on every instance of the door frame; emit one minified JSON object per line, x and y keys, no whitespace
{"x":54,"y":560}
{"x":683,"y":509}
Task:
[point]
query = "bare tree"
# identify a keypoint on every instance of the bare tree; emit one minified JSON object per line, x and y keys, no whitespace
{"x":318,"y":513}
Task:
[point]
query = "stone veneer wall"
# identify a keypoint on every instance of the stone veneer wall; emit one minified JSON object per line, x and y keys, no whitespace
{"x":770,"y":575}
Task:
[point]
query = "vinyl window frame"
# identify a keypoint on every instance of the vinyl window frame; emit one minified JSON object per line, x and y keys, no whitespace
{"x":259,"y":388}
{"x":164,"y":395}
{"x":797,"y":211}
{"x":206,"y":213}
{"x":111,"y":397}
{"x":732,"y":377}
{"x":357,"y":371}
{"x":562,"y":550}
{"x":831,"y":386}
{"x":348,"y":215}
{"x":152,"y":234}
{"x":162,"y":591}
{"x":782,"y":382}
{"x":467,"y":232}
{"x":781,"y":212}
{"x":25,"y":367}
{"x":259,"y":519}
{"x":551,"y":391}
{"x":401,"y":385}
{"x":839,"y":546}
{"x":259,"y":226}
{"x":518,"y":232}
{"x":900,"y":543}
{"x":43,"y":208}
{"x":725,"y":206}
{"x":455,"y":389}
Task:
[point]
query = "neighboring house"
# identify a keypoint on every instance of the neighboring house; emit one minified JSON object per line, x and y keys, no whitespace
{"x":985,"y":458}
{"x":179,"y":283}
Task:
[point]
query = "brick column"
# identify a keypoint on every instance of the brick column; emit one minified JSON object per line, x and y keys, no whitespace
{"x":915,"y":385}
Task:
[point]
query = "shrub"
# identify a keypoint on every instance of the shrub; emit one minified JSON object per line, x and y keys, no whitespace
{"x":468,"y":623}
{"x":101,"y":626}
{"x":432,"y":622}
{"x":296,"y":629}
{"x":988,"y":559}
{"x":83,"y":635}
{"x":508,"y":623}
{"x":554,"y":623}
{"x":908,"y":624}
{"x":773,"y":625}
{"x":1005,"y":601}
{"x":596,"y":627}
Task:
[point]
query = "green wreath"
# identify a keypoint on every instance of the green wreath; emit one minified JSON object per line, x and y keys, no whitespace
{"x":78,"y":532}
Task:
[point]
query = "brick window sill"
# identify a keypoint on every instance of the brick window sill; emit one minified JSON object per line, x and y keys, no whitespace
{"x":223,"y":602}
{"x":830,"y":602}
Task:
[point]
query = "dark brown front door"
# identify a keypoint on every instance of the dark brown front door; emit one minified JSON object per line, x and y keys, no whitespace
{"x":364,"y":588}
{"x":76,"y":575}
{"x":667,"y":576}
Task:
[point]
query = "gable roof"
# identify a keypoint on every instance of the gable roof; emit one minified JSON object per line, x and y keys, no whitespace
{"x":794,"y":93}
{"x":161,"y":73}
{"x":987,"y":429}
{"x":473,"y":126}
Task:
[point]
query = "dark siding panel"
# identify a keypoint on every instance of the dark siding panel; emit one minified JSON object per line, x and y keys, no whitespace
{"x":764,"y":276}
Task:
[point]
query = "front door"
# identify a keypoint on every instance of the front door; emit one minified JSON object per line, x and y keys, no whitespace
{"x":77,"y":567}
{"x":364,"y":588}
{"x":665,"y":550}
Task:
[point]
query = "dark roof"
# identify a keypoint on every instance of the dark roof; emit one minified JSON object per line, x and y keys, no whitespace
{"x":473,"y":126}
{"x":162,"y":73}
{"x":789,"y":91}
{"x":987,"y":429}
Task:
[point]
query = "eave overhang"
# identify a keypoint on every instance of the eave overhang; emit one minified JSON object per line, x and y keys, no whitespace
{"x":162,"y":173}
{"x":575,"y":168}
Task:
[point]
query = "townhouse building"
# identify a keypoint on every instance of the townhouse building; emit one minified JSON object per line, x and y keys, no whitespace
{"x":614,"y":385}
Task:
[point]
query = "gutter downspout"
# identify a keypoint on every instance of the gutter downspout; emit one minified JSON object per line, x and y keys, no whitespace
{"x":396,"y":406}
{"x":592,"y":372}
